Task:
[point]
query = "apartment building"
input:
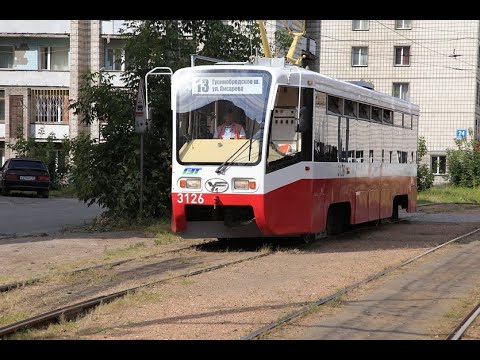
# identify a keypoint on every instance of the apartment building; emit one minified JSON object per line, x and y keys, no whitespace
{"x":41,"y":63}
{"x":432,"y":63}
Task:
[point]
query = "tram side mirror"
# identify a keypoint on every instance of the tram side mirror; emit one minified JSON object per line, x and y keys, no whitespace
{"x":304,"y":121}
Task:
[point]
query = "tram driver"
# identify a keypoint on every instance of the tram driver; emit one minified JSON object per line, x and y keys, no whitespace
{"x":229,"y":129}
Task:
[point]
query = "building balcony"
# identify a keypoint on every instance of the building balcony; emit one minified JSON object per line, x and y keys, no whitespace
{"x":35,"y":27}
{"x":112,"y":27}
{"x":35,"y":78}
{"x":117,"y":78}
{"x":41,"y":131}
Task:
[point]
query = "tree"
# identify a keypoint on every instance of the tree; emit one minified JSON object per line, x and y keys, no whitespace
{"x":283,"y":41}
{"x":424,"y":175}
{"x":108,"y":173}
{"x":464,"y":162}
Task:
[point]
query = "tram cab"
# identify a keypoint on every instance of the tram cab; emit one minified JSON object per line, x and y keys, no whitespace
{"x":252,"y":157}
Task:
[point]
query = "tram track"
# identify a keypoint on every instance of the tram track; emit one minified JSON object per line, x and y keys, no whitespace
{"x":19,"y":284}
{"x":22,"y":283}
{"x":72,"y":311}
{"x":324,"y":300}
{"x":462,"y":328}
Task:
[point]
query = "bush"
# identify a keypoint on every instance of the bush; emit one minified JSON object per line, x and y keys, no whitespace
{"x":108,"y":172}
{"x":424,"y":176}
{"x":464,"y":162}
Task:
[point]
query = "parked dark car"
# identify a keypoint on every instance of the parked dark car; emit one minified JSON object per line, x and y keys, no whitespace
{"x":25,"y":175}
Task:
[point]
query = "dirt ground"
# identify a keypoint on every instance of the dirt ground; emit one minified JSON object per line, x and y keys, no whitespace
{"x":223,"y":304}
{"x":473,"y":332}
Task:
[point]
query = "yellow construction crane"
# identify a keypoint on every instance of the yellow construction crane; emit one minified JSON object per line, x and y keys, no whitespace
{"x":290,"y":25}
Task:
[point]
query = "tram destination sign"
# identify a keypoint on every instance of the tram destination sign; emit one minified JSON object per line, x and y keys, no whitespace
{"x":223,"y":85}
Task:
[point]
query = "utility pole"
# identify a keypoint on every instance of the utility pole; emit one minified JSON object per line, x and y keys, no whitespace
{"x":146,"y":121}
{"x":141,"y":127}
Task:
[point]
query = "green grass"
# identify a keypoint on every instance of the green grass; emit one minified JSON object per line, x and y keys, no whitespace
{"x":7,"y":319}
{"x":449,"y":194}
{"x":137,"y":249}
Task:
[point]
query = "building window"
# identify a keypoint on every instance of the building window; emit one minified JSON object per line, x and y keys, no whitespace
{"x":360,"y":56}
{"x":439,"y":164}
{"x":53,"y":58}
{"x":478,"y":94}
{"x":360,"y":25}
{"x":2,"y":106}
{"x":402,"y":55}
{"x":49,"y":105}
{"x":478,"y":57}
{"x":6,"y":57}
{"x":400,"y":90}
{"x":115,"y":59}
{"x":403,"y":24}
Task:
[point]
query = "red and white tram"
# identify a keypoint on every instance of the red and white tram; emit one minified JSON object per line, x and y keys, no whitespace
{"x":318,"y":153}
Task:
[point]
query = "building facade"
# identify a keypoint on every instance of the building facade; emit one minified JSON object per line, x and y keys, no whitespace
{"x":41,"y":64}
{"x":432,"y":63}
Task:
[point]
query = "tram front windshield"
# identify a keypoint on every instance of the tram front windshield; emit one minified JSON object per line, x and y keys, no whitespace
{"x":220,"y":116}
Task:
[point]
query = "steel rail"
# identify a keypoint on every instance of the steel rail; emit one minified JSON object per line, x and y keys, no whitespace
{"x":263,"y":330}
{"x":72,"y":311}
{"x":457,"y":334}
{"x":18,"y":284}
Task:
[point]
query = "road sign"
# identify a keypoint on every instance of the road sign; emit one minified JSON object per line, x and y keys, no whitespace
{"x":140,"y":114}
{"x":461,"y":133}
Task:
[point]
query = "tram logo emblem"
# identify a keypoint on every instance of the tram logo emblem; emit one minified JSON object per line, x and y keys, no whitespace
{"x":216,"y":185}
{"x":191,"y":171}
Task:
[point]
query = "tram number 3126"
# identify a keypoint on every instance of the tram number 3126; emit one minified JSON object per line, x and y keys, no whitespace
{"x":190,"y":198}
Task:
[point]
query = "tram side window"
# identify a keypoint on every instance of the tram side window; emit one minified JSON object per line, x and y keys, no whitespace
{"x":335,"y":105}
{"x":323,"y":151}
{"x":397,"y":118}
{"x":407,"y":121}
{"x":364,"y":111}
{"x":350,"y":108}
{"x":402,"y":157}
{"x":376,"y":114}
{"x":387,"y":116}
{"x":290,"y":141}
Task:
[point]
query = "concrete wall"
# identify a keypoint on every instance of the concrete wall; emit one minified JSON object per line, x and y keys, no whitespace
{"x":35,"y":26}
{"x":42,"y":131}
{"x":80,"y":43}
{"x":443,"y":86}
{"x":34,"y":78}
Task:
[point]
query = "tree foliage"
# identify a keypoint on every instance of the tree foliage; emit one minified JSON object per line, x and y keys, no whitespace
{"x":283,"y":41}
{"x":107,"y":172}
{"x":464,"y":162}
{"x":424,"y":175}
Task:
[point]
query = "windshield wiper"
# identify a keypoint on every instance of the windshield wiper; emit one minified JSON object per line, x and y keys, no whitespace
{"x":221,"y":169}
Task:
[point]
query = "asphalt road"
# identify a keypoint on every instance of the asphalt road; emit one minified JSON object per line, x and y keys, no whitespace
{"x":29,"y":215}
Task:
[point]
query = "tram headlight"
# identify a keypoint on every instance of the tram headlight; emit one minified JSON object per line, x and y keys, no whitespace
{"x":244,"y":184}
{"x":190,"y":183}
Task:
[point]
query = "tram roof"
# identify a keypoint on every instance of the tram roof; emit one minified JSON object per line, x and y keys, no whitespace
{"x":289,"y":75}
